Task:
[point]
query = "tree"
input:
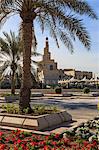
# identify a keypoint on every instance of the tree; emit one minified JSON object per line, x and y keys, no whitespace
{"x":58,"y":16}
{"x":10,"y":57}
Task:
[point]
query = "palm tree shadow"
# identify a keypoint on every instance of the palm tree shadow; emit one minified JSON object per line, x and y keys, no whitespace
{"x":79,"y":106}
{"x":65,"y":105}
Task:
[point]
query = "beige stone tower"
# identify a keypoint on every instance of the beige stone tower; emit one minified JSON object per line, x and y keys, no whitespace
{"x":47,"y":71}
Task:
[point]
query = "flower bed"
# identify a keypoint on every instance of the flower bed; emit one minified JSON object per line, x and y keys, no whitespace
{"x":86,"y":133}
{"x":18,"y":140}
{"x":84,"y":137}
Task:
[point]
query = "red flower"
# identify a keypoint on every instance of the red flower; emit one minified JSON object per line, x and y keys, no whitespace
{"x":33,"y":143}
{"x":74,"y":145}
{"x":23,"y":146}
{"x":83,"y":148}
{"x":66,"y":141}
{"x":15,"y":148}
{"x":41,"y":143}
{"x":57,"y":136}
{"x":2,"y":147}
{"x":1,"y":133}
{"x":46,"y":147}
{"x":85,"y":143}
{"x":89,"y":146}
{"x":19,"y":141}
{"x":94,"y":143}
{"x":54,"y":143}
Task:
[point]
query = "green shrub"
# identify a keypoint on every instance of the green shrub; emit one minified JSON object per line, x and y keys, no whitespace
{"x":5,"y":85}
{"x":41,"y":109}
{"x":38,"y":109}
{"x":26,"y":110}
{"x":58,"y":90}
{"x":11,"y":108}
{"x":86,"y":90}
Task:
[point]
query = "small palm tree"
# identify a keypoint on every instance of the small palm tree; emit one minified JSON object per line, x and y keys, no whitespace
{"x":10,"y":57}
{"x":56,"y":16}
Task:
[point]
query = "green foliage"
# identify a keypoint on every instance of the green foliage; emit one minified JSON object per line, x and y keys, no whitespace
{"x":60,"y":24}
{"x":37,"y":109}
{"x":44,"y":109}
{"x":11,"y":108}
{"x":26,"y":134}
{"x":58,"y":90}
{"x":8,"y":94}
{"x":86,"y":90}
{"x":26,"y":110}
{"x":54,"y":108}
{"x":5,"y":85}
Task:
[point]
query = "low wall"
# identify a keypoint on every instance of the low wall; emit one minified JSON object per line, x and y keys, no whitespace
{"x":48,"y":91}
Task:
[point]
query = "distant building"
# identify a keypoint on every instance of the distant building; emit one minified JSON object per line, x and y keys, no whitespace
{"x":48,"y":73}
{"x":78,"y":74}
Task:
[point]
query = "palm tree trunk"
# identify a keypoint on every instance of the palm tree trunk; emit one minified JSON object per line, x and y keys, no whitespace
{"x":13,"y":83}
{"x":25,"y":90}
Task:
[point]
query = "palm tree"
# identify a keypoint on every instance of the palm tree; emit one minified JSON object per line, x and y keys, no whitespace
{"x":10,"y":57}
{"x":56,"y":16}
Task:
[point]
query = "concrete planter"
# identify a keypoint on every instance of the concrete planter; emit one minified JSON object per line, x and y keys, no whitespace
{"x":10,"y":99}
{"x":13,"y":98}
{"x":34,"y":122}
{"x":67,"y":94}
{"x":36,"y":94}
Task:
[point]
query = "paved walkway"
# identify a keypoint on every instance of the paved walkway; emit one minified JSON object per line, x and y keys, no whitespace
{"x":81,"y":109}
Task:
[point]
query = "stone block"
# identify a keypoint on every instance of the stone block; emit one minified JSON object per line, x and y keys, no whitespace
{"x":67,"y":94}
{"x":13,"y":121}
{"x":53,"y":119}
{"x":30,"y":123}
{"x":62,"y":117}
{"x":1,"y":117}
{"x":42,"y":123}
{"x":66,"y":116}
{"x":39,"y":123}
{"x":37,"y":94}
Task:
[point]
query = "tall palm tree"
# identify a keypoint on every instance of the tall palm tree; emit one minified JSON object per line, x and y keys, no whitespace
{"x":56,"y":16}
{"x":10,"y":57}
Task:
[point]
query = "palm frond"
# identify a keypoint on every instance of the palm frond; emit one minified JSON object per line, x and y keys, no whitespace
{"x":76,"y":27}
{"x":3,"y":45}
{"x":72,"y":24}
{"x":34,"y":40}
{"x":81,"y":7}
{"x":56,"y":12}
{"x":36,"y":54}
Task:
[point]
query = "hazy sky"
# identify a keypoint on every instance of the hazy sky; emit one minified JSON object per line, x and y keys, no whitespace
{"x":81,"y":59}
